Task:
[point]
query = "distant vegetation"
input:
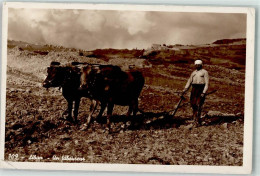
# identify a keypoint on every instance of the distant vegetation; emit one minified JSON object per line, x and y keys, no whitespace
{"x":230,"y":41}
{"x":120,"y":53}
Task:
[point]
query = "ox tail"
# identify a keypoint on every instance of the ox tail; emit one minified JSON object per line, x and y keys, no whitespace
{"x":141,"y":111}
{"x":138,"y":82}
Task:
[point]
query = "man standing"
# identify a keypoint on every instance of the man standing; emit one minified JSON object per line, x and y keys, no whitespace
{"x":199,"y":80}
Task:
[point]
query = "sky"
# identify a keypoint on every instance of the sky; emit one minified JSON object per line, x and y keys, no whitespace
{"x":93,"y":29}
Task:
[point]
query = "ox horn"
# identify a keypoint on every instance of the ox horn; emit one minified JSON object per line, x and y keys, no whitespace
{"x":74,"y":63}
{"x":53,"y":63}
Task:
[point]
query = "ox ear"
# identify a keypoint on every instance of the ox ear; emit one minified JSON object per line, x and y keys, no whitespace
{"x":76,"y":69}
{"x":54,"y":63}
{"x":95,"y":68}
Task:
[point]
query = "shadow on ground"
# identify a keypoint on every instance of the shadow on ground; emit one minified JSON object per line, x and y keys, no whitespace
{"x":162,"y":120}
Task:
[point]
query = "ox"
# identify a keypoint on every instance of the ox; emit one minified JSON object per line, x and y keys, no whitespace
{"x":67,"y":78}
{"x":112,"y":86}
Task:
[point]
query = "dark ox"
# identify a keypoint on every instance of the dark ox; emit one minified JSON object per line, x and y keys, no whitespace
{"x":68,"y":78}
{"x":112,"y":86}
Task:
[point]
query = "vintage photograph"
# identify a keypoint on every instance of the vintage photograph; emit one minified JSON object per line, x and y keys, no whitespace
{"x":126,"y":86}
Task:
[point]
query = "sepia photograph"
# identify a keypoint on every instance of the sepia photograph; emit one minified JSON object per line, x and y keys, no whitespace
{"x":133,"y":85}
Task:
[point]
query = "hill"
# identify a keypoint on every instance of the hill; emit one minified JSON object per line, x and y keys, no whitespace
{"x":229,"y":53}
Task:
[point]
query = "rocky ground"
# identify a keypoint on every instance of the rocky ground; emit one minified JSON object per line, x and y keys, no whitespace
{"x":37,"y":131}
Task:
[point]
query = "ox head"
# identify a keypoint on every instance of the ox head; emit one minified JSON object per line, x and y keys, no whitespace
{"x":55,"y":75}
{"x":86,"y":73}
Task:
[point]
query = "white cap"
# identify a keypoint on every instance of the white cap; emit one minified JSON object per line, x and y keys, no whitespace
{"x":198,"y":62}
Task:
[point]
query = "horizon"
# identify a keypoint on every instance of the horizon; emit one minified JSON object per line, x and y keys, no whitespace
{"x":121,"y":48}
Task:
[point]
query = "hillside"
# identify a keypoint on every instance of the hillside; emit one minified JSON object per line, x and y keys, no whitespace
{"x":229,"y":53}
{"x":226,"y":53}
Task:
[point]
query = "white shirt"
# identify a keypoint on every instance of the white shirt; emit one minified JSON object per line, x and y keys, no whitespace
{"x":199,"y":77}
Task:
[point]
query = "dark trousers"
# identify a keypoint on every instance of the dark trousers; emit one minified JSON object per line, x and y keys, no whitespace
{"x":197,"y":101}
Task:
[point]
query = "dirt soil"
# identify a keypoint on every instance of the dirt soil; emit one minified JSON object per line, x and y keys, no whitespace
{"x":37,"y":131}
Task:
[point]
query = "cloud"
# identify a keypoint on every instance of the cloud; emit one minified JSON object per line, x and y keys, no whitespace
{"x":135,"y":22}
{"x":91,"y":20}
{"x":198,"y":28}
{"x":91,"y":29}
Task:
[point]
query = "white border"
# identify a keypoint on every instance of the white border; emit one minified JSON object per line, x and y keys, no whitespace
{"x":248,"y":122}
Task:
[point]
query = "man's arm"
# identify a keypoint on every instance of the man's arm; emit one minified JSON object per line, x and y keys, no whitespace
{"x":187,"y":86}
{"x":206,"y":77}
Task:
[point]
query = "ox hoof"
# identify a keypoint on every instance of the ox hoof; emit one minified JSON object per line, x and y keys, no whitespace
{"x":107,"y":130}
{"x":69,"y":118}
{"x":196,"y":125}
{"x":84,"y":127}
{"x":189,"y":127}
{"x":65,"y":113}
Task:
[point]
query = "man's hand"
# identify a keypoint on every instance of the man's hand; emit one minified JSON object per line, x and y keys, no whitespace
{"x":183,"y":92}
{"x":202,"y":95}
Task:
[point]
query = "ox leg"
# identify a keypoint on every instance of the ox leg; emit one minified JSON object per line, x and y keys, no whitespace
{"x":103,"y":107}
{"x":135,"y":107}
{"x":93,"y":107}
{"x":109,"y":114}
{"x":135,"y":110}
{"x":69,"y":117}
{"x":76,"y":109}
{"x":130,"y":110}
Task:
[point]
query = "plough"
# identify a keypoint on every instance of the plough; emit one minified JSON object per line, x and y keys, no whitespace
{"x":171,"y":114}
